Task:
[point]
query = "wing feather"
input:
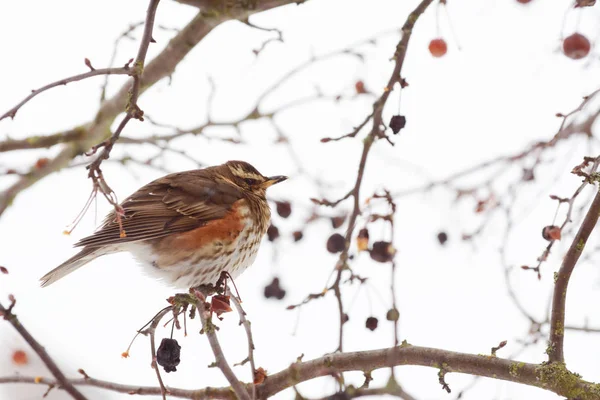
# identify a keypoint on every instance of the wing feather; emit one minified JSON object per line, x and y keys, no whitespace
{"x":175,"y":203}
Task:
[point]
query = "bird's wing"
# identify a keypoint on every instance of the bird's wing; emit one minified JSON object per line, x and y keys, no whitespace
{"x":175,"y":203}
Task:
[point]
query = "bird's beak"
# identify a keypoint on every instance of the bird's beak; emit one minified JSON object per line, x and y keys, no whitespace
{"x":271,"y":180}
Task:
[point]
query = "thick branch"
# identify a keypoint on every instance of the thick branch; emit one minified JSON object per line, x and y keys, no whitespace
{"x":559,"y":300}
{"x":553,"y":377}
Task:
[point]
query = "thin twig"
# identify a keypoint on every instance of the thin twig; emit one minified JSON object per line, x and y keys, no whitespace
{"x":246,"y":323}
{"x":126,"y":70}
{"x":151,"y":331}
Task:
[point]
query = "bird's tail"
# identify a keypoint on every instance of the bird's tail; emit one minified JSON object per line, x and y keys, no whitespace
{"x":78,"y":260}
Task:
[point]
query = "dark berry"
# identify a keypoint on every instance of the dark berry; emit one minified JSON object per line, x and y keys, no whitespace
{"x":272,"y":233}
{"x":397,"y":122}
{"x":298,"y":235}
{"x":336,"y":243}
{"x":382,"y":252}
{"x":442,"y":238}
{"x":274,"y":290}
{"x":371,"y":323}
{"x":167,"y":354}
{"x":284,"y":208}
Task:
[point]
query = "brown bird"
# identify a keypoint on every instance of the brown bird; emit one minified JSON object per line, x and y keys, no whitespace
{"x":187,"y":227}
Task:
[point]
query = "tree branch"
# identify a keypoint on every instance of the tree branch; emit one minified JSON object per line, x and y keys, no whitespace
{"x":161,"y":66}
{"x":553,"y":377}
{"x":61,"y":379}
{"x":559,"y":299}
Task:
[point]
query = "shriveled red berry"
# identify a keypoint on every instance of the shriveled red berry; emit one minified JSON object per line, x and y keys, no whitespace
{"x":438,"y":47}
{"x":584,"y":3}
{"x":19,"y":357}
{"x":336,"y":243}
{"x":284,"y":208}
{"x":359,"y":86}
{"x":4,"y":270}
{"x":272,"y":233}
{"x":382,"y":252}
{"x":274,"y":290}
{"x":576,"y":46}
{"x":41,"y":163}
{"x":220,"y":304}
{"x":551,"y":232}
{"x":167,"y":354}
{"x":338,"y":221}
{"x":371,"y":323}
{"x":523,"y":1}
{"x":298,"y":235}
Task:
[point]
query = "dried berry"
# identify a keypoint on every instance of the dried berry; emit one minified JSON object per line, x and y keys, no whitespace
{"x":362,"y":240}
{"x":219,"y":304}
{"x":274,"y":290}
{"x":371,"y":323}
{"x":272,"y":233}
{"x":41,"y":163}
{"x":284,"y":208}
{"x":584,"y":3}
{"x":336,"y":243}
{"x":338,"y":221}
{"x":259,"y":375}
{"x":359,"y":86}
{"x":523,"y":1}
{"x":438,"y":47}
{"x":392,"y":315}
{"x":442,"y":237}
{"x":298,"y":235}
{"x":167,"y":354}
{"x":397,"y":123}
{"x":576,"y":46}
{"x":528,"y":175}
{"x":19,"y":357}
{"x":551,"y":232}
{"x":3,"y":270}
{"x":382,"y":252}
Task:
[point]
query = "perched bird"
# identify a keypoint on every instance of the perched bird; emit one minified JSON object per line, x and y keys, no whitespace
{"x":187,"y":227}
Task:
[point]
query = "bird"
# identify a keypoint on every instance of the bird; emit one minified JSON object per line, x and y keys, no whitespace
{"x":185,"y":228}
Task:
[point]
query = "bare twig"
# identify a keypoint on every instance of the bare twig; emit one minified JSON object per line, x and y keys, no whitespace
{"x":151,"y":331}
{"x":246,"y":323}
{"x":126,"y":70}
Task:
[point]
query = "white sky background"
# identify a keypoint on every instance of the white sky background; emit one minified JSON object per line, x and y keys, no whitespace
{"x":497,"y":94}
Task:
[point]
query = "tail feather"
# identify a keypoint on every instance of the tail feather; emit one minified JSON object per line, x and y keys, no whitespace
{"x":77,"y":261}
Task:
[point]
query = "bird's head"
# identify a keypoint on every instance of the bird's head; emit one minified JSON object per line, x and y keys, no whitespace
{"x":248,"y":178}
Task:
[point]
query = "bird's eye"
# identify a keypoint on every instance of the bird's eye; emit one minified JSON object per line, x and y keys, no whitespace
{"x":250,"y":181}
